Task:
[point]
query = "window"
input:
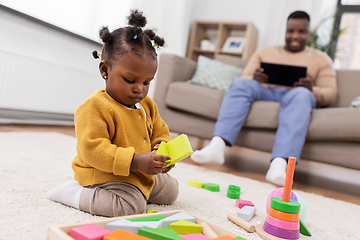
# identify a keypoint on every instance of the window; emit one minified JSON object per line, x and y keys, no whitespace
{"x":347,"y":50}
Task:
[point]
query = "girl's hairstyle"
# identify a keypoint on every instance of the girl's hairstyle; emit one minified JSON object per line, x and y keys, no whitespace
{"x":130,"y":38}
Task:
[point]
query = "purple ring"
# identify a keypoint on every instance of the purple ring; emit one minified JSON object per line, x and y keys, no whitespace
{"x":282,"y":233}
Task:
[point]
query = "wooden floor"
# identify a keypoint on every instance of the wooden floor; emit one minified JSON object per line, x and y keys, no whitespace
{"x":69,"y":130}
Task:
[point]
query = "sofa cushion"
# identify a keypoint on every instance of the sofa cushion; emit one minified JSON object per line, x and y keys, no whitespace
{"x":334,"y":124}
{"x":214,"y":74}
{"x":206,"y":102}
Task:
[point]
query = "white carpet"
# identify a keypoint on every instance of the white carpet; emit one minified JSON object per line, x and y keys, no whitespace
{"x":33,"y":163}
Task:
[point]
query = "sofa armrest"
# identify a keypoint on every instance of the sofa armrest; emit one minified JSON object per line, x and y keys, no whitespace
{"x":172,"y":68}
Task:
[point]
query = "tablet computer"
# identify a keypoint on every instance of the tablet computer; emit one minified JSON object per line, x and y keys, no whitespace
{"x":281,"y":74}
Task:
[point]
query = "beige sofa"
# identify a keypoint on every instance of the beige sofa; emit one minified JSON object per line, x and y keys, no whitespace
{"x":331,"y":154}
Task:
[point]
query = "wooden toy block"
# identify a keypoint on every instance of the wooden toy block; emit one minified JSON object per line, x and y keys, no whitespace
{"x":246,"y":212}
{"x":304,"y":230}
{"x":195,"y":182}
{"x":240,"y":203}
{"x":120,"y":235}
{"x":281,"y":233}
{"x":178,"y":149}
{"x":160,"y":233}
{"x":212,"y":187}
{"x":241,"y":222}
{"x":88,"y":232}
{"x":208,"y":231}
{"x":186,"y":227}
{"x":125,"y":225}
{"x":289,"y":217}
{"x":176,"y":217}
{"x":266,"y":236}
{"x":289,"y":207}
{"x":239,"y":238}
{"x":226,"y":237}
{"x":194,"y":236}
{"x":151,"y":224}
{"x":147,"y":219}
{"x":294,"y":226}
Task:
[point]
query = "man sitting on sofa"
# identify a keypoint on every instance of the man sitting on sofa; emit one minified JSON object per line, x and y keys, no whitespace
{"x":318,"y":88}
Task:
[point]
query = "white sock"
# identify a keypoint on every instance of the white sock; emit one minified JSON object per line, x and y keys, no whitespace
{"x":212,"y":153}
{"x":68,"y":194}
{"x":277,"y":171}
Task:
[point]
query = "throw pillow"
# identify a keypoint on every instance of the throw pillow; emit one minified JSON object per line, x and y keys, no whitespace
{"x":355,"y":103}
{"x":214,"y":74}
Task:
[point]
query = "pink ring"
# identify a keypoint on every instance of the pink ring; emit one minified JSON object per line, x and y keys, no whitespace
{"x":294,"y":226}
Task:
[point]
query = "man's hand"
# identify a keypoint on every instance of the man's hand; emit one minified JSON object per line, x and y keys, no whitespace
{"x":305,"y":82}
{"x":260,"y":76}
{"x":149,"y":163}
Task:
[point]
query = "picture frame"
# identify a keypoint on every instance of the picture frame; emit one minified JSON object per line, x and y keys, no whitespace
{"x":234,"y":44}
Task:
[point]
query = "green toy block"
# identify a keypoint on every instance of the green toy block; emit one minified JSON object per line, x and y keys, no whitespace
{"x":239,"y":238}
{"x":148,"y":219}
{"x":160,"y":233}
{"x":186,"y":227}
{"x":304,"y":230}
{"x":212,"y":187}
{"x":288,"y":207}
{"x":178,"y":149}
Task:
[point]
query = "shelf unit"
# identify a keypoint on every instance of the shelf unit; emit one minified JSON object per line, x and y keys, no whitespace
{"x":218,"y":33}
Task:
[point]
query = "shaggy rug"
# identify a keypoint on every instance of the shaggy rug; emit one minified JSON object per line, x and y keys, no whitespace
{"x":32,"y":163}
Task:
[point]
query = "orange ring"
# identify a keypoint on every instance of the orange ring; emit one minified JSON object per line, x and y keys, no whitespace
{"x":289,"y":217}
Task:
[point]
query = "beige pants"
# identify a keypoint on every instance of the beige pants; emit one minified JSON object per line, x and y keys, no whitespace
{"x":114,"y":199}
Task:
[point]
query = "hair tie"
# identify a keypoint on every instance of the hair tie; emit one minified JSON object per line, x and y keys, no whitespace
{"x":135,"y":36}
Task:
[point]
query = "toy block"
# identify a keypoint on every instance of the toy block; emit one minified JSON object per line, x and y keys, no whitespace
{"x":88,"y":232}
{"x":149,"y":210}
{"x":289,"y":207}
{"x":233,"y":194}
{"x":304,"y":230}
{"x":160,"y":233}
{"x":151,"y":224}
{"x":176,"y":217}
{"x":212,"y":187}
{"x":281,"y":233}
{"x":239,"y":238}
{"x":289,"y":217}
{"x":147,"y":219}
{"x":186,"y":227}
{"x":282,"y":224}
{"x":120,"y":235}
{"x":226,"y":237}
{"x":194,"y":236}
{"x":246,"y":212}
{"x":241,"y":222}
{"x":178,"y":149}
{"x":240,"y":203}
{"x":125,"y":225}
{"x":195,"y":182}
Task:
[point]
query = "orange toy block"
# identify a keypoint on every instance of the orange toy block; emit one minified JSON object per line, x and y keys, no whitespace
{"x":226,"y":237}
{"x":120,"y":235}
{"x":289,"y":217}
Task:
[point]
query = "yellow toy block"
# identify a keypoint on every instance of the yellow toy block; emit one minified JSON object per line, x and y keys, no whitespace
{"x":178,"y":149}
{"x":186,"y":227}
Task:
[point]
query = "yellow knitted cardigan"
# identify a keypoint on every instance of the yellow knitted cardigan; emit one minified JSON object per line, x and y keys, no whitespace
{"x":108,"y":134}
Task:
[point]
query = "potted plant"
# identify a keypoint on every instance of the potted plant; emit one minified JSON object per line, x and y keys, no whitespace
{"x":205,"y":43}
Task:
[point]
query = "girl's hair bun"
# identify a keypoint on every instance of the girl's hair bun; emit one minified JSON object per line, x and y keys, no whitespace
{"x":137,"y":19}
{"x":105,"y":35}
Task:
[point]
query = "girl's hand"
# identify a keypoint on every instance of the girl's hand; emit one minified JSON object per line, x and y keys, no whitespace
{"x":156,"y":147}
{"x":165,"y":170}
{"x":149,"y":163}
